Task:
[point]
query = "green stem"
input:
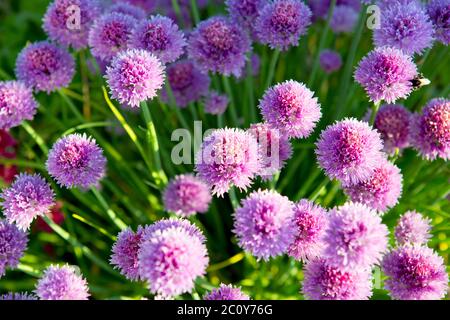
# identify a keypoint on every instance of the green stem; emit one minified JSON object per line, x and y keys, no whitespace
{"x":251,"y":93}
{"x":195,"y":12}
{"x":319,"y":189}
{"x":232,"y":107}
{"x":272,"y":66}
{"x":374,"y":112}
{"x":36,"y":137}
{"x":110,"y":212}
{"x":230,"y":261}
{"x":176,"y":8}
{"x":233,"y":198}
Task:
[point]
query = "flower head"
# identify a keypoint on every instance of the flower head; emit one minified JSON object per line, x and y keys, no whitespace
{"x":282,"y":22}
{"x":386,"y":74}
{"x":349,"y":151}
{"x":228,"y":157}
{"x":16,"y":104}
{"x":291,"y":108}
{"x":355,"y":237}
{"x":311,"y":221}
{"x":245,"y":12}
{"x":13,"y":243}
{"x":412,"y":228}
{"x":18,"y":296}
{"x":264,"y":225}
{"x":226,"y":292}
{"x":220,"y":46}
{"x":344,"y":19}
{"x":172,"y":255}
{"x":439,"y":12}
{"x":430,"y":132}
{"x":62,"y":283}
{"x":134,"y":76}
{"x":28,"y":197}
{"x":330,"y":61}
{"x":187,"y":82}
{"x":44,"y":66}
{"x":76,"y":161}
{"x":128,"y":9}
{"x":415,"y":273}
{"x":161,"y":36}
{"x":186,"y":195}
{"x":381,"y":190}
{"x":61,"y":26}
{"x":216,"y":103}
{"x":326,"y":282}
{"x":406,"y":27}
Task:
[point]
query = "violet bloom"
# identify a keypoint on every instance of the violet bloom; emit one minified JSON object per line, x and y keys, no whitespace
{"x":264,"y":224}
{"x":430,"y":132}
{"x":16,"y":104}
{"x":187,"y":82}
{"x":281,"y":23}
{"x":13,"y":243}
{"x":134,"y":76}
{"x":62,"y":283}
{"x":439,"y":12}
{"x":344,"y":19}
{"x":17,"y":296}
{"x":393,"y":121}
{"x":311,"y":222}
{"x":63,"y":25}
{"x":128,"y":9}
{"x":27,"y":198}
{"x":44,"y":66}
{"x":406,"y":27}
{"x":228,"y":157}
{"x":412,"y":228}
{"x":274,"y":149}
{"x":218,"y":45}
{"x":382,"y":190}
{"x":172,"y":255}
{"x":386,"y":74}
{"x":226,"y":292}
{"x":291,"y":108}
{"x":245,"y":12}
{"x":415,"y":273}
{"x":349,"y":151}
{"x":76,"y":161}
{"x":325,"y":282}
{"x":355,"y":237}
{"x":216,"y":103}
{"x":109,"y":35}
{"x":330,"y":61}
{"x":187,"y":195}
{"x":161,"y":36}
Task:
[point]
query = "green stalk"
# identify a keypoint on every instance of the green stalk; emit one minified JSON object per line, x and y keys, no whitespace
{"x":110,"y":212}
{"x":230,"y":261}
{"x":272,"y":66}
{"x":319,"y":189}
{"x":233,"y":198}
{"x":250,"y":91}
{"x":86,"y":126}
{"x":176,"y":8}
{"x":232,"y":107}
{"x":374,"y":112}
{"x":36,"y":137}
{"x":195,"y":12}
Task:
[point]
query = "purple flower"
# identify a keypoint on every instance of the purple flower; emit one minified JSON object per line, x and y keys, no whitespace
{"x":406,"y":27}
{"x":325,"y":282}
{"x":128,"y":9}
{"x":187,"y":82}
{"x":412,"y":228}
{"x":245,"y":12}
{"x":219,"y":45}
{"x":216,"y":103}
{"x":393,"y":122}
{"x":18,"y":296}
{"x":282,"y":22}
{"x":274,"y":149}
{"x":330,"y":61}
{"x":349,"y":151}
{"x":172,"y":256}
{"x":16,"y":104}
{"x":344,"y":19}
{"x":109,"y":35}
{"x":76,"y":161}
{"x":320,"y":8}
{"x":415,"y":273}
{"x":228,"y":157}
{"x":62,"y":283}
{"x":45,"y":67}
{"x":382,"y":190}
{"x":186,"y":195}
{"x":291,"y":108}
{"x":355,"y":237}
{"x":13,"y":243}
{"x":439,"y":12}
{"x":147,"y":5}
{"x":161,"y":36}
{"x":386,"y":74}
{"x":263,"y":224}
{"x":63,"y":25}
{"x":134,"y":76}
{"x":226,"y":292}
{"x":125,"y":252}
{"x":311,"y":221}
{"x":28,"y":197}
{"x":431,"y":130}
